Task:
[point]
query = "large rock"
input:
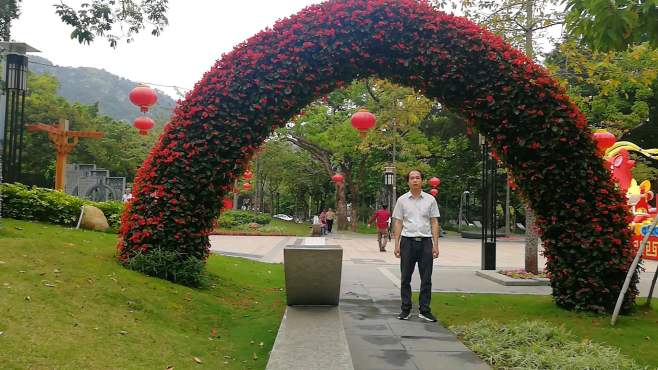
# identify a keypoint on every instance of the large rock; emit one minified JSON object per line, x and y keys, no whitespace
{"x":93,"y":219}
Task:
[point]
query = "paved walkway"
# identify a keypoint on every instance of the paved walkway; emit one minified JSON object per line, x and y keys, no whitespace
{"x":370,"y":296}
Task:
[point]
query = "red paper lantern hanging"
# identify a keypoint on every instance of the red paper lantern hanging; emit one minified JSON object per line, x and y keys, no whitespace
{"x":434,"y":182}
{"x":434,"y":191}
{"x":143,"y":97}
{"x":247,"y":175}
{"x":337,"y":178}
{"x":604,"y":140}
{"x":363,"y":121}
{"x":246,"y":186}
{"x":227,"y":203}
{"x":143,"y":124}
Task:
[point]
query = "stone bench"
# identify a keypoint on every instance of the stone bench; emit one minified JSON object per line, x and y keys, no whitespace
{"x":312,"y":335}
{"x":312,"y":272}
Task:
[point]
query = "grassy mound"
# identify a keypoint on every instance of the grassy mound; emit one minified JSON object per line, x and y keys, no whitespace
{"x":66,"y":303}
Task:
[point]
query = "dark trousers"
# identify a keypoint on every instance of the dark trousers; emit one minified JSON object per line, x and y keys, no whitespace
{"x":330,"y":224}
{"x":414,"y":251}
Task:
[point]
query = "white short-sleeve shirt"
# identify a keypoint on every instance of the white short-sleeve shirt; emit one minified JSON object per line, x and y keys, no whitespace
{"x":415,"y":214}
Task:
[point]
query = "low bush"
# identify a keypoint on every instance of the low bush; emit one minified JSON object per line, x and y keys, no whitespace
{"x":46,"y":205}
{"x":231,"y":219}
{"x":169,"y":265}
{"x":538,"y":345}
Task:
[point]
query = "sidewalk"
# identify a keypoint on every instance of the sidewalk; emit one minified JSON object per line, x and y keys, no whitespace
{"x":370,"y":297}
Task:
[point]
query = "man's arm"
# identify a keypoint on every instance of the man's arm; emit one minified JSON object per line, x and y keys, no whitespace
{"x":397,"y":230}
{"x":435,"y":236}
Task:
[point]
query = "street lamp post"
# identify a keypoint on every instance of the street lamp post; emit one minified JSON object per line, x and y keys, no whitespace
{"x":389,"y":181}
{"x":12,"y":104}
{"x":488,"y":207}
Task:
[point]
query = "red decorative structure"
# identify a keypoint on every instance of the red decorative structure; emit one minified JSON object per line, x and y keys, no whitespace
{"x":246,"y":186}
{"x":535,"y":128}
{"x":247,"y":175}
{"x":604,"y":140}
{"x":143,"y":124}
{"x":434,"y":192}
{"x":143,"y":97}
{"x":227,"y":203}
{"x":363,"y":121}
{"x":337,"y":178}
{"x":434,"y":182}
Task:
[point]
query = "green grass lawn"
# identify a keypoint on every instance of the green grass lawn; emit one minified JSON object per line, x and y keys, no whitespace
{"x":636,"y":335}
{"x":65,"y":303}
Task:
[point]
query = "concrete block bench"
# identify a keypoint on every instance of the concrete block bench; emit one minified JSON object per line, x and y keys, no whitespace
{"x":312,"y":272}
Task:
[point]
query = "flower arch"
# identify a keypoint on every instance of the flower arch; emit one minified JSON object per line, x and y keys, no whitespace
{"x":536,"y":130}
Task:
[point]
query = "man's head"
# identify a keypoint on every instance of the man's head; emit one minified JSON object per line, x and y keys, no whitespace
{"x":384,"y":206}
{"x":415,"y":180}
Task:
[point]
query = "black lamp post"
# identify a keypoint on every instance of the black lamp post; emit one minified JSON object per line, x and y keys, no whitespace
{"x":12,"y":107}
{"x":389,"y":182}
{"x":488,"y":207}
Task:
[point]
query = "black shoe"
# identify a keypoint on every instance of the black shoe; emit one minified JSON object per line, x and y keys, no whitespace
{"x":404,"y":315}
{"x":427,"y":316}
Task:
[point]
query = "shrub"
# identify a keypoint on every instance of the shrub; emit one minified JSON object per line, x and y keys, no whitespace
{"x":538,"y":345}
{"x":231,"y":219}
{"x":169,"y":265}
{"x":40,"y":204}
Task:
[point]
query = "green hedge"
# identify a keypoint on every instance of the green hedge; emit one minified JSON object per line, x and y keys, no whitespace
{"x":231,"y":219}
{"x":32,"y":203}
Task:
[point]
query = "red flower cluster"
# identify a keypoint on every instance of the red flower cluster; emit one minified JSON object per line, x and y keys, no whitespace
{"x":534,"y":127}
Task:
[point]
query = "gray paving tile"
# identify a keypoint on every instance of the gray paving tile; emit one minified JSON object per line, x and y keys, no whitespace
{"x":426,"y":360}
{"x":390,"y":359}
{"x":443,"y":344}
{"x":359,"y":343}
{"x":418,"y":329}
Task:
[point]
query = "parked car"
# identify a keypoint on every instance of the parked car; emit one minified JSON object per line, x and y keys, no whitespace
{"x":283,"y":217}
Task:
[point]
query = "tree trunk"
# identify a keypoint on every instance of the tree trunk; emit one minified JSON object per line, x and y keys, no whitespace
{"x":531,"y":242}
{"x":531,"y":238}
{"x":341,"y":209}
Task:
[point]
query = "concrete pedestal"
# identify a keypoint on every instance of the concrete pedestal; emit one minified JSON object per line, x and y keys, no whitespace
{"x":312,"y":274}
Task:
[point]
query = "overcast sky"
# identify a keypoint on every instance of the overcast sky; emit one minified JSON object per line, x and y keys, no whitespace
{"x":199,"y":32}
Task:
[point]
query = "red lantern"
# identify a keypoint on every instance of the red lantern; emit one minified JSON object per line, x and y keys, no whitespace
{"x":247,"y":175}
{"x":246,"y":186}
{"x":604,"y":140}
{"x":337,"y":178}
{"x":143,"y":97}
{"x":227,"y":203}
{"x":434,"y":182}
{"x":434,"y":191}
{"x":363,"y":121}
{"x":143,"y":124}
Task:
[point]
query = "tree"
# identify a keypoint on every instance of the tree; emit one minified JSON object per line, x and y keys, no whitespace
{"x":613,"y":25}
{"x":325,"y":132}
{"x":615,"y":90}
{"x":521,"y":22}
{"x":113,"y":20}
{"x":9,"y":10}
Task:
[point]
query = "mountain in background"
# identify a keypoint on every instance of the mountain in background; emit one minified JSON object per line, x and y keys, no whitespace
{"x":92,"y":85}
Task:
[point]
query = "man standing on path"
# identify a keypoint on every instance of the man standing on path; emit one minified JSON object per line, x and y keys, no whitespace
{"x":381,"y":217}
{"x":416,"y":230}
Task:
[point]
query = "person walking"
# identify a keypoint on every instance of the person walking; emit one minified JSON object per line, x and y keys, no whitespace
{"x":323,"y":222}
{"x":381,"y":217}
{"x":416,"y":230}
{"x":330,"y":219}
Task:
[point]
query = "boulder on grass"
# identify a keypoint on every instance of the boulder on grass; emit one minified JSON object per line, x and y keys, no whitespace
{"x":93,"y":219}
